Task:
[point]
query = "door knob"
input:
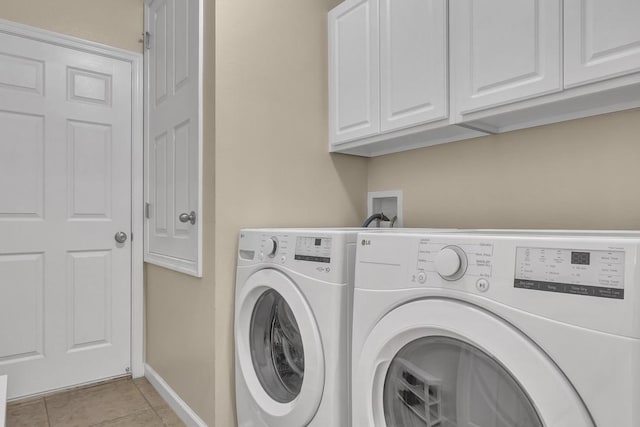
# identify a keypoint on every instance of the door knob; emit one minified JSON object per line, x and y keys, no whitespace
{"x":188,"y":217}
{"x":121,"y":237}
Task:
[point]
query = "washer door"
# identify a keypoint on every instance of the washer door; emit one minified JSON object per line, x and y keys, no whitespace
{"x":279,"y":349}
{"x":438,"y":362}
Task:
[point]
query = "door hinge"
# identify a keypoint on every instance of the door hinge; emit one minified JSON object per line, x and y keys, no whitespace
{"x":147,"y":210}
{"x":147,"y":40}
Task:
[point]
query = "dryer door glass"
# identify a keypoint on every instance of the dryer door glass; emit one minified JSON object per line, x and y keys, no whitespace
{"x":441,"y":381}
{"x":276,"y":347}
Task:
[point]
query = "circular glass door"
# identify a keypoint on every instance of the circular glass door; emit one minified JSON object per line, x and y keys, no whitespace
{"x":277,"y":352}
{"x":440,"y":381}
{"x":440,"y":363}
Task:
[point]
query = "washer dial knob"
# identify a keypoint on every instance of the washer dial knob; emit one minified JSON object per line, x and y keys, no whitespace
{"x":451,"y":263}
{"x":271,"y":247}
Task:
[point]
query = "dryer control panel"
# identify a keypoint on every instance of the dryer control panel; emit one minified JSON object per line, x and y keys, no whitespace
{"x":582,"y":272}
{"x":314,"y":249}
{"x":321,"y":254}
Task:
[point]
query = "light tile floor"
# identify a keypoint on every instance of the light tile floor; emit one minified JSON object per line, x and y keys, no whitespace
{"x":119,"y":403}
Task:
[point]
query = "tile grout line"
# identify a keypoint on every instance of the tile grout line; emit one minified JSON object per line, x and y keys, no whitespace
{"x":46,"y":411}
{"x":149,"y":403}
{"x":118,"y":418}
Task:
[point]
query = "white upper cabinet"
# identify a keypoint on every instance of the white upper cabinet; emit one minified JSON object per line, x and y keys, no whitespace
{"x":504,"y":51}
{"x":388,"y":77}
{"x":413,"y":62}
{"x":354,"y":82}
{"x":405,"y":74}
{"x":602,"y":39}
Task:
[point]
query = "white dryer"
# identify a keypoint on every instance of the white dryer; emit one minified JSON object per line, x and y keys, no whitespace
{"x":293,"y":301}
{"x":491,"y":329}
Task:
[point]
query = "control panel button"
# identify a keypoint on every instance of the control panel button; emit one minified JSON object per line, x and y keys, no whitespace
{"x":451,"y":263}
{"x":482,"y":285}
{"x":271,"y":247}
{"x":422,"y":277}
{"x":283,"y":259}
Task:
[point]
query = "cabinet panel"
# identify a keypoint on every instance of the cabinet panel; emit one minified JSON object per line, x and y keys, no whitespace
{"x":173,"y":64}
{"x":602,"y":39}
{"x":413,"y":62}
{"x":354,"y":98}
{"x":504,"y":51}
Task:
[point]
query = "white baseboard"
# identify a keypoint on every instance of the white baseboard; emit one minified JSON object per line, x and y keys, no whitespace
{"x":186,"y":414}
{"x":3,"y":399}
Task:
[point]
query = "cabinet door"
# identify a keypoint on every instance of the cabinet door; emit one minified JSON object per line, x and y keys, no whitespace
{"x":602,"y":39}
{"x":504,"y":51}
{"x":173,"y":68}
{"x":354,"y":94}
{"x":413,"y":62}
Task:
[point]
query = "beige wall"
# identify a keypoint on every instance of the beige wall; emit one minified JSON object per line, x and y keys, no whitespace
{"x":113,"y":22}
{"x":581,"y":174}
{"x":272,"y":165}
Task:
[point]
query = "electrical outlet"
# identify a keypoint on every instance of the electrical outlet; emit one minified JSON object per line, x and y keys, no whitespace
{"x":387,"y":202}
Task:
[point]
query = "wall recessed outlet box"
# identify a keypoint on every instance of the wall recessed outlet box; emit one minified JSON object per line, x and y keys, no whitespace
{"x":388,"y":203}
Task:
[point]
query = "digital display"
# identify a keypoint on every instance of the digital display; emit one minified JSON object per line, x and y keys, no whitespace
{"x":580,"y":258}
{"x":314,"y":249}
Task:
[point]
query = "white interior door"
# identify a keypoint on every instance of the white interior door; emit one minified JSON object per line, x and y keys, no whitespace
{"x":173,"y":138}
{"x":65,"y":191}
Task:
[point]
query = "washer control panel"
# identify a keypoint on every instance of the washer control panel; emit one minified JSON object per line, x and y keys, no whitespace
{"x":453,"y":261}
{"x":582,"y":272}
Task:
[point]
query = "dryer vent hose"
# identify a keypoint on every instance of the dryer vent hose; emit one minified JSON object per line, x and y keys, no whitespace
{"x":377,"y":216}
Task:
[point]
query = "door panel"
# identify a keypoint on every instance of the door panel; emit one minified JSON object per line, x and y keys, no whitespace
{"x":354,"y":93}
{"x":21,"y":160}
{"x":504,"y":51}
{"x":21,"y":308}
{"x":413,"y":62}
{"x":173,"y":137}
{"x":602,"y":39}
{"x":65,"y":190}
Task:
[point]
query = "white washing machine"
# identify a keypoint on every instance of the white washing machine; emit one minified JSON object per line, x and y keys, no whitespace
{"x":491,"y":329}
{"x":293,"y":301}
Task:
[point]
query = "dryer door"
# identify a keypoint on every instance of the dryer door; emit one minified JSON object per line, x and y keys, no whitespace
{"x":279,"y":349}
{"x":439,"y":362}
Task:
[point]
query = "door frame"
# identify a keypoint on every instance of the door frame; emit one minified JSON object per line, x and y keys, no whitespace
{"x":137,"y":171}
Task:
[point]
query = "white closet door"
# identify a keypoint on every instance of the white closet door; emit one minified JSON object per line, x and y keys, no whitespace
{"x":602,"y":39}
{"x":173,"y":139}
{"x":354,"y":75}
{"x":413,"y":62}
{"x":65,"y":191}
{"x":504,"y":51}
